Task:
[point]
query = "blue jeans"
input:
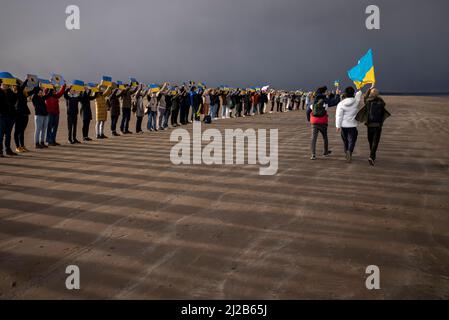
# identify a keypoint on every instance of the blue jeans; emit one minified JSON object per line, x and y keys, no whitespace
{"x":52,"y":130}
{"x":214,"y":111}
{"x":6,"y":125}
{"x":151,"y":120}
{"x":41,"y":123}
{"x":126,"y":117}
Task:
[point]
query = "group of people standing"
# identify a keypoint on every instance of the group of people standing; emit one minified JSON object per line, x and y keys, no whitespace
{"x":179,"y":106}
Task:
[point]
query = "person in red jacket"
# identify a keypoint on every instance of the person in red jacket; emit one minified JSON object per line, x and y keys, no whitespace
{"x":318,"y":117}
{"x":52,"y":104}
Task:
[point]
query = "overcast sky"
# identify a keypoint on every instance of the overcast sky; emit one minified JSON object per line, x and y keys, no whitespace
{"x":286,"y":43}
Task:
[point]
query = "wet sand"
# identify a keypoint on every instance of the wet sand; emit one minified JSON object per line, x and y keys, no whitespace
{"x":140,"y":227}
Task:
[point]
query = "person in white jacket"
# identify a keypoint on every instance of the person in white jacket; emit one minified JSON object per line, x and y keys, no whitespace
{"x":345,"y":120}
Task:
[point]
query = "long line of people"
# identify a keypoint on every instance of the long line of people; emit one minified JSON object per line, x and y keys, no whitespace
{"x":180,"y":105}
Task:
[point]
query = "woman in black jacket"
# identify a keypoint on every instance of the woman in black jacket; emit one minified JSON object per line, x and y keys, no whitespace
{"x":22,"y":116}
{"x":40,"y":117}
{"x":86,"y":112}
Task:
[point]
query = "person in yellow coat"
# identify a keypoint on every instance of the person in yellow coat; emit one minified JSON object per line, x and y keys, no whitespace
{"x":101,"y":110}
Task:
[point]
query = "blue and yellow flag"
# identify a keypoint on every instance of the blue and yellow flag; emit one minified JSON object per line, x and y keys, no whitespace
{"x":154,"y":87}
{"x":121,"y":86}
{"x":93,"y":86}
{"x":363,"y":73}
{"x":8,"y":78}
{"x":106,"y":81}
{"x":46,"y":84}
{"x":133,"y":82}
{"x":78,"y":85}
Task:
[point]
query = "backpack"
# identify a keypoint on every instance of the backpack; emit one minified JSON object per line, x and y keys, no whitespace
{"x":318,"y":109}
{"x":208,"y":119}
{"x":376,"y":112}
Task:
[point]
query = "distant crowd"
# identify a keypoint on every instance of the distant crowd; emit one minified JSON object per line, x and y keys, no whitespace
{"x":173,"y":106}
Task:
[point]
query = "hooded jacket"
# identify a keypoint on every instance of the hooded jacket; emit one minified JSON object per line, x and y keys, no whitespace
{"x":347,"y":111}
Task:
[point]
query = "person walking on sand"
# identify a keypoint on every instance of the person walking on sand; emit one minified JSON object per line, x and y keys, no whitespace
{"x":318,"y":117}
{"x":373,"y":115}
{"x":345,"y":121}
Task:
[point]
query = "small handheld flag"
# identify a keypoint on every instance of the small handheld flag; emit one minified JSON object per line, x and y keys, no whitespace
{"x":106,"y":81}
{"x":8,"y":78}
{"x":337,"y":83}
{"x":57,"y":80}
{"x":46,"y":84}
{"x":32,"y":81}
{"x":92,"y":86}
{"x":154,"y":87}
{"x":134,"y":82}
{"x":78,"y":85}
{"x":121,"y":86}
{"x":363,"y":73}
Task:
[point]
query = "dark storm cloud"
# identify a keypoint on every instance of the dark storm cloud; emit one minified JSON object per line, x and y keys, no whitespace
{"x":287,"y":43}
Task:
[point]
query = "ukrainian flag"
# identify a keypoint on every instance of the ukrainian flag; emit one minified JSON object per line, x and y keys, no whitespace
{"x":8,"y":78}
{"x":154,"y":87}
{"x":78,"y":85}
{"x":201,"y":85}
{"x":363,"y":73}
{"x":46,"y":84}
{"x":134,"y":82}
{"x":92,"y":86}
{"x":121,"y":86}
{"x":106,"y":81}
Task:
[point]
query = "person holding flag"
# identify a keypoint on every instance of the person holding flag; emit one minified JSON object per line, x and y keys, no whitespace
{"x":22,"y":115}
{"x":7,"y":116}
{"x":52,"y":103}
{"x":101,"y":110}
{"x":373,"y":114}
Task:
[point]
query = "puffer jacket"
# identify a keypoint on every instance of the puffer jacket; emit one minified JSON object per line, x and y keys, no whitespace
{"x":347,"y":111}
{"x":101,"y":108}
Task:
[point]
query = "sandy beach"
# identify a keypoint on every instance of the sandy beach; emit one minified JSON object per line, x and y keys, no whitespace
{"x":140,"y":227}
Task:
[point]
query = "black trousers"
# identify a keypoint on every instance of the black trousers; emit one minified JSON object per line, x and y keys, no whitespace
{"x":174,"y":115}
{"x":349,"y":137}
{"x":139,"y":124}
{"x":72,"y":121}
{"x":126,"y":117}
{"x":6,"y":126}
{"x":185,"y":108}
{"x":86,"y":125}
{"x":19,"y":133}
{"x":114,"y":120}
{"x":374,"y":134}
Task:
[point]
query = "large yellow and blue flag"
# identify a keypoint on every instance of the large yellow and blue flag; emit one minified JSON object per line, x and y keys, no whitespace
{"x":363,"y":73}
{"x":8,"y":78}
